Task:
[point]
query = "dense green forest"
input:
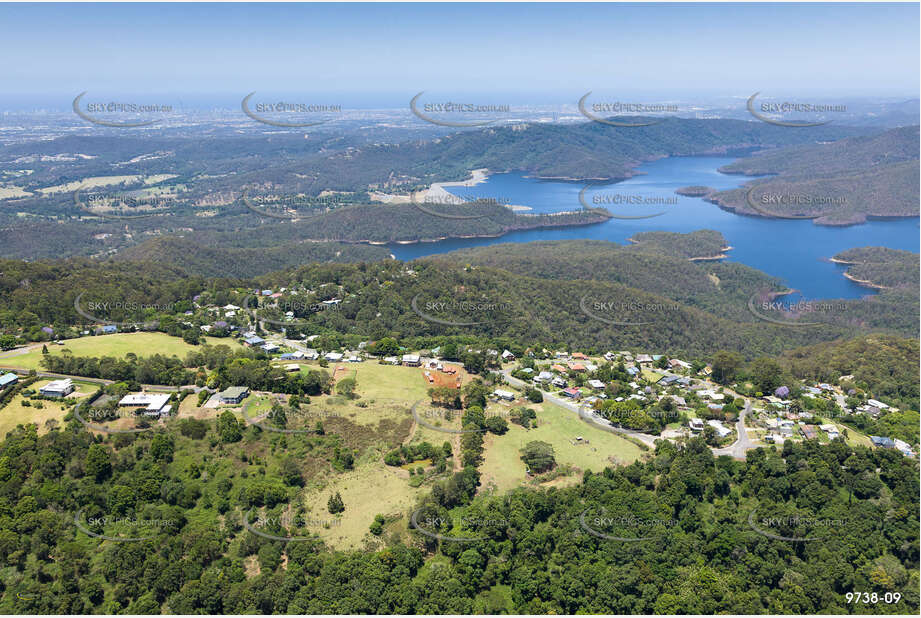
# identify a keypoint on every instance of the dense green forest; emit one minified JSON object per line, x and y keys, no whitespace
{"x":694,"y":534}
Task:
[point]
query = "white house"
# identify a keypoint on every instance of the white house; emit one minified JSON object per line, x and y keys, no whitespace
{"x":333,"y":356}
{"x":696,"y":424}
{"x":721,"y":430}
{"x":506,"y":395}
{"x":57,"y":388}
{"x":596,"y":384}
{"x":154,"y":404}
{"x":412,"y":360}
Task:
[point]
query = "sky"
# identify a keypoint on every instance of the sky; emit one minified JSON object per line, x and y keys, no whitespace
{"x":389,"y":51}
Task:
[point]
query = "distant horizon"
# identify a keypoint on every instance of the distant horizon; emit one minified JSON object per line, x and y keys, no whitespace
{"x":358,"y":101}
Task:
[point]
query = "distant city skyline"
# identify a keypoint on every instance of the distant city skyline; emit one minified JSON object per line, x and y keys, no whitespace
{"x":386,"y":52}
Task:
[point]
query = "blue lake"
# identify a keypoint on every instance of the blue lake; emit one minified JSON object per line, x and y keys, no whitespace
{"x":796,"y":251}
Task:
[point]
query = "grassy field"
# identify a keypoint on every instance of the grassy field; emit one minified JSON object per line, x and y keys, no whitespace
{"x":503,"y":468}
{"x":118,"y":345}
{"x":14,"y":413}
{"x":366,"y":491}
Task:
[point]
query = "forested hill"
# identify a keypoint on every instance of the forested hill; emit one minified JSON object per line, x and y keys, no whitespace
{"x":591,"y":295}
{"x":837,"y":183}
{"x":887,"y":366}
{"x":586,"y":150}
{"x":708,"y":535}
{"x":881,"y":267}
{"x":199,"y":257}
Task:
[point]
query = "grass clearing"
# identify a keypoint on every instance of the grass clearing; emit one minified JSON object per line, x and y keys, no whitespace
{"x":117,"y":345}
{"x":503,"y":468}
{"x":366,"y":491}
{"x":15,"y":413}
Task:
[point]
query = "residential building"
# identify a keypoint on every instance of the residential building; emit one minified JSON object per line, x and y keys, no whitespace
{"x":598,"y":385}
{"x":721,"y":430}
{"x":412,"y":360}
{"x":903,"y":447}
{"x":572,"y":393}
{"x":151,"y":404}
{"x":7,"y":379}
{"x":233,"y":394}
{"x":333,"y":357}
{"x":696,"y":424}
{"x":58,"y":388}
{"x":502,"y":394}
{"x":544,"y":377}
{"x":882,"y":442}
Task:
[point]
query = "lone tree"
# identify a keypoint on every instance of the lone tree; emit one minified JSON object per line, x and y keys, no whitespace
{"x":335,"y":504}
{"x":538,"y":456}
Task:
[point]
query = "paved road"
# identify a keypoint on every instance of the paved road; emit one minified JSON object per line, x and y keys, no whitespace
{"x":57,"y":376}
{"x":743,"y":444}
{"x":586,"y":415}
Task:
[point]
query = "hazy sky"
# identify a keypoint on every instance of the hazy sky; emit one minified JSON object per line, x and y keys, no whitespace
{"x":723,"y":49}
